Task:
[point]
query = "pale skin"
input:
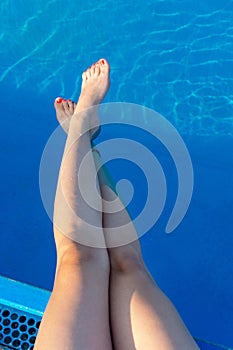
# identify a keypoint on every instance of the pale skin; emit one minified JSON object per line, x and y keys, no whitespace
{"x":103,"y":298}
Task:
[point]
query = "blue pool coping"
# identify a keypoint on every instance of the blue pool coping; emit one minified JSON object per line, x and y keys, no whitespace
{"x":23,"y":296}
{"x":33,"y":300}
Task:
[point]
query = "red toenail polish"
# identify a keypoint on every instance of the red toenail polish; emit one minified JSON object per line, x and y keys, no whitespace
{"x":59,"y":100}
{"x":102,"y":61}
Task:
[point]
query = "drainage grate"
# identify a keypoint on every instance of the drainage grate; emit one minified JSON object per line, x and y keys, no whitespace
{"x":18,"y":329}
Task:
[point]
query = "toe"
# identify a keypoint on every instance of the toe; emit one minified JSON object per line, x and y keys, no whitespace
{"x":97,"y":69}
{"x":84,"y":76}
{"x":71,"y":106}
{"x":58,"y":104}
{"x":104,"y":65}
{"x":65,"y":106}
{"x":92,"y":70}
{"x":88,"y":73}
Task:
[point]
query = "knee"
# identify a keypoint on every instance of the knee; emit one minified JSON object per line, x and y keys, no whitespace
{"x":72,"y":252}
{"x":125,"y":259}
{"x":81,"y":256}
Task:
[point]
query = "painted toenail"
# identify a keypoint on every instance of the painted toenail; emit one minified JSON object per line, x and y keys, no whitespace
{"x":59,"y":100}
{"x":102,"y":61}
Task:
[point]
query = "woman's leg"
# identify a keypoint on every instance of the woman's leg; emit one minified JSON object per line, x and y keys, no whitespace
{"x":142,"y":317}
{"x":77,"y":315}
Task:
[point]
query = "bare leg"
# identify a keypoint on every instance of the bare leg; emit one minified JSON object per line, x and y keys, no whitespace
{"x":77,"y":315}
{"x":142,"y":317}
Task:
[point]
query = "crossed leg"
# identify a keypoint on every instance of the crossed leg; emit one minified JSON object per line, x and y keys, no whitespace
{"x":77,"y":315}
{"x":141,"y":316}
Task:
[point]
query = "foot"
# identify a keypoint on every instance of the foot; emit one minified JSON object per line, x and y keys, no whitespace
{"x":95,"y":84}
{"x":64,"y":111}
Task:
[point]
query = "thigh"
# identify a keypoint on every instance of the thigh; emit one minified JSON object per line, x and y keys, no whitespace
{"x":142,"y":317}
{"x":77,"y":315}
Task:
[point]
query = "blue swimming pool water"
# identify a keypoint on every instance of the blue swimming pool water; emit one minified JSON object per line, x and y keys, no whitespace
{"x":172,"y":56}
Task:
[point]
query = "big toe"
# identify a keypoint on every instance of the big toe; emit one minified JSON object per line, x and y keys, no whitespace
{"x":58,"y":104}
{"x":104,"y":65}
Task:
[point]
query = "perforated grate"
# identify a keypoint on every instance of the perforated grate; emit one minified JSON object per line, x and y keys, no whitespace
{"x":18,"y":329}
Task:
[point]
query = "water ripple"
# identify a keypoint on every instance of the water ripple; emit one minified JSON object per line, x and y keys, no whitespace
{"x":173,"y":56}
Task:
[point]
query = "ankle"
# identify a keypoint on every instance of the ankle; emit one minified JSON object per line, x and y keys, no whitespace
{"x":88,"y":105}
{"x":86,"y":120}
